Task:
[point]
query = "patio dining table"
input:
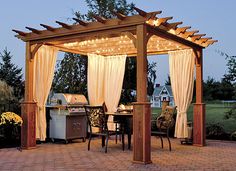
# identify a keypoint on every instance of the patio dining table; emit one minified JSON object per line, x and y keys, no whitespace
{"x":126,"y":124}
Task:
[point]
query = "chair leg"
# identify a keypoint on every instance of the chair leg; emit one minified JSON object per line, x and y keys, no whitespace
{"x":106,"y":143}
{"x":169,"y":143}
{"x":90,"y":137}
{"x":103,"y":141}
{"x":168,"y":139}
{"x":116,"y":133}
{"x":161,"y":141}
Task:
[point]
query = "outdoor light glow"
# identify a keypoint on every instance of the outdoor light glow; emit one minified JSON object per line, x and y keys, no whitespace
{"x":172,"y":31}
{"x":155,"y":22}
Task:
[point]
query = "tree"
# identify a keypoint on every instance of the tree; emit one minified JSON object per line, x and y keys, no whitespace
{"x":71,"y":75}
{"x":129,"y":83}
{"x":229,"y":82}
{"x":67,"y":77}
{"x":151,"y":78}
{"x":11,"y":74}
{"x":104,"y":8}
{"x":168,"y":82}
{"x":6,"y":95}
{"x":231,"y":64}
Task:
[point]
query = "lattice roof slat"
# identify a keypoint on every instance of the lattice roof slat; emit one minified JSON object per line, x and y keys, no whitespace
{"x":101,"y":28}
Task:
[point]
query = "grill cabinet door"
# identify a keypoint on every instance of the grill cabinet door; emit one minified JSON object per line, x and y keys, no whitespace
{"x":76,"y":126}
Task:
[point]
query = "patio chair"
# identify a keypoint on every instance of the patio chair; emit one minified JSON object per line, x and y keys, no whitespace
{"x":98,"y":119}
{"x":164,"y":123}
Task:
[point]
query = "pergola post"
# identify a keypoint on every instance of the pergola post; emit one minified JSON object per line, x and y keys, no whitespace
{"x":142,"y":109}
{"x":28,"y":107}
{"x":199,"y":137}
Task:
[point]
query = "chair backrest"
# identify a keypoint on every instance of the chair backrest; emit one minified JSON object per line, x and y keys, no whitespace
{"x":166,"y":119}
{"x":96,"y":117}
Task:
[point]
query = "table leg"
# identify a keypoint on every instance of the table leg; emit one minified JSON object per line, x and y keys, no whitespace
{"x":123,"y":136}
{"x":103,"y":141}
{"x":129,"y":140}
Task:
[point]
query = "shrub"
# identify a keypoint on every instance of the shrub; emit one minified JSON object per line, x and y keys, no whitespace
{"x":216,"y":131}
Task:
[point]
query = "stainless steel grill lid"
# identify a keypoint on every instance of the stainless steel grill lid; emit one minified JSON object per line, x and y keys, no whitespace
{"x":68,"y":99}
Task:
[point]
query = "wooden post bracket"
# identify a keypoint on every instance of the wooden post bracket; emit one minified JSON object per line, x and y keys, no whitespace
{"x":33,"y":52}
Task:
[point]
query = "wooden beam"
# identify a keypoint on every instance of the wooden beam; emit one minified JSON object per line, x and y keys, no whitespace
{"x":119,"y":15}
{"x":152,"y":15}
{"x":173,"y":25}
{"x":181,"y":30}
{"x":141,"y":63}
{"x":165,"y":19}
{"x":168,"y":36}
{"x":209,"y":42}
{"x":64,"y":25}
{"x":188,"y":34}
{"x":203,"y":40}
{"x":142,"y":112}
{"x":140,"y":12}
{"x":197,"y":36}
{"x":83,"y":23}
{"x":34,"y":30}
{"x":61,"y":32}
{"x":20,"y":32}
{"x":162,"y":21}
{"x":48,"y":27}
{"x":99,"y":19}
{"x":84,"y":34}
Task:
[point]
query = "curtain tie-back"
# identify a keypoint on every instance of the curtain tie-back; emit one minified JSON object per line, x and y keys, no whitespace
{"x":41,"y":107}
{"x":182,"y":112}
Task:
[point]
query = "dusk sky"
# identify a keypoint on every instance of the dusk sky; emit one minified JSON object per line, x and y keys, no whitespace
{"x":216,"y":18}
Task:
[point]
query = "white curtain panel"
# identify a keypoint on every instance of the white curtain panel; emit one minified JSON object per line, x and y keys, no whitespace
{"x":95,"y":79}
{"x":181,"y":65}
{"x":105,"y":80}
{"x":114,"y":76}
{"x":44,"y":65}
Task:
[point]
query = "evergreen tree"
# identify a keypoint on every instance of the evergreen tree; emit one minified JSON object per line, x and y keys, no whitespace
{"x":105,"y":8}
{"x":168,"y":82}
{"x":11,"y":74}
{"x":151,"y":78}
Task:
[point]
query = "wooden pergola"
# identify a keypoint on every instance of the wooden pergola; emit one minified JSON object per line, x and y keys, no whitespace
{"x":138,"y":35}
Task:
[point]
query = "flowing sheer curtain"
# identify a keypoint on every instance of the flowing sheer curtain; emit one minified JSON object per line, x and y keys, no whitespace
{"x":105,"y":80}
{"x":182,"y":80}
{"x":95,"y":79}
{"x":45,"y":61}
{"x":114,"y":75}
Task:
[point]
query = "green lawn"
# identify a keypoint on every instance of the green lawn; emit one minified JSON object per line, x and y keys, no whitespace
{"x":214,"y":114}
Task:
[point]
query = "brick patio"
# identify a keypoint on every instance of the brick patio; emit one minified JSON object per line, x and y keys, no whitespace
{"x":217,"y":155}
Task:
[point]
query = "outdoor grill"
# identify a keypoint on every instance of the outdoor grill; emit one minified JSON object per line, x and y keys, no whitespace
{"x":68,"y":117}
